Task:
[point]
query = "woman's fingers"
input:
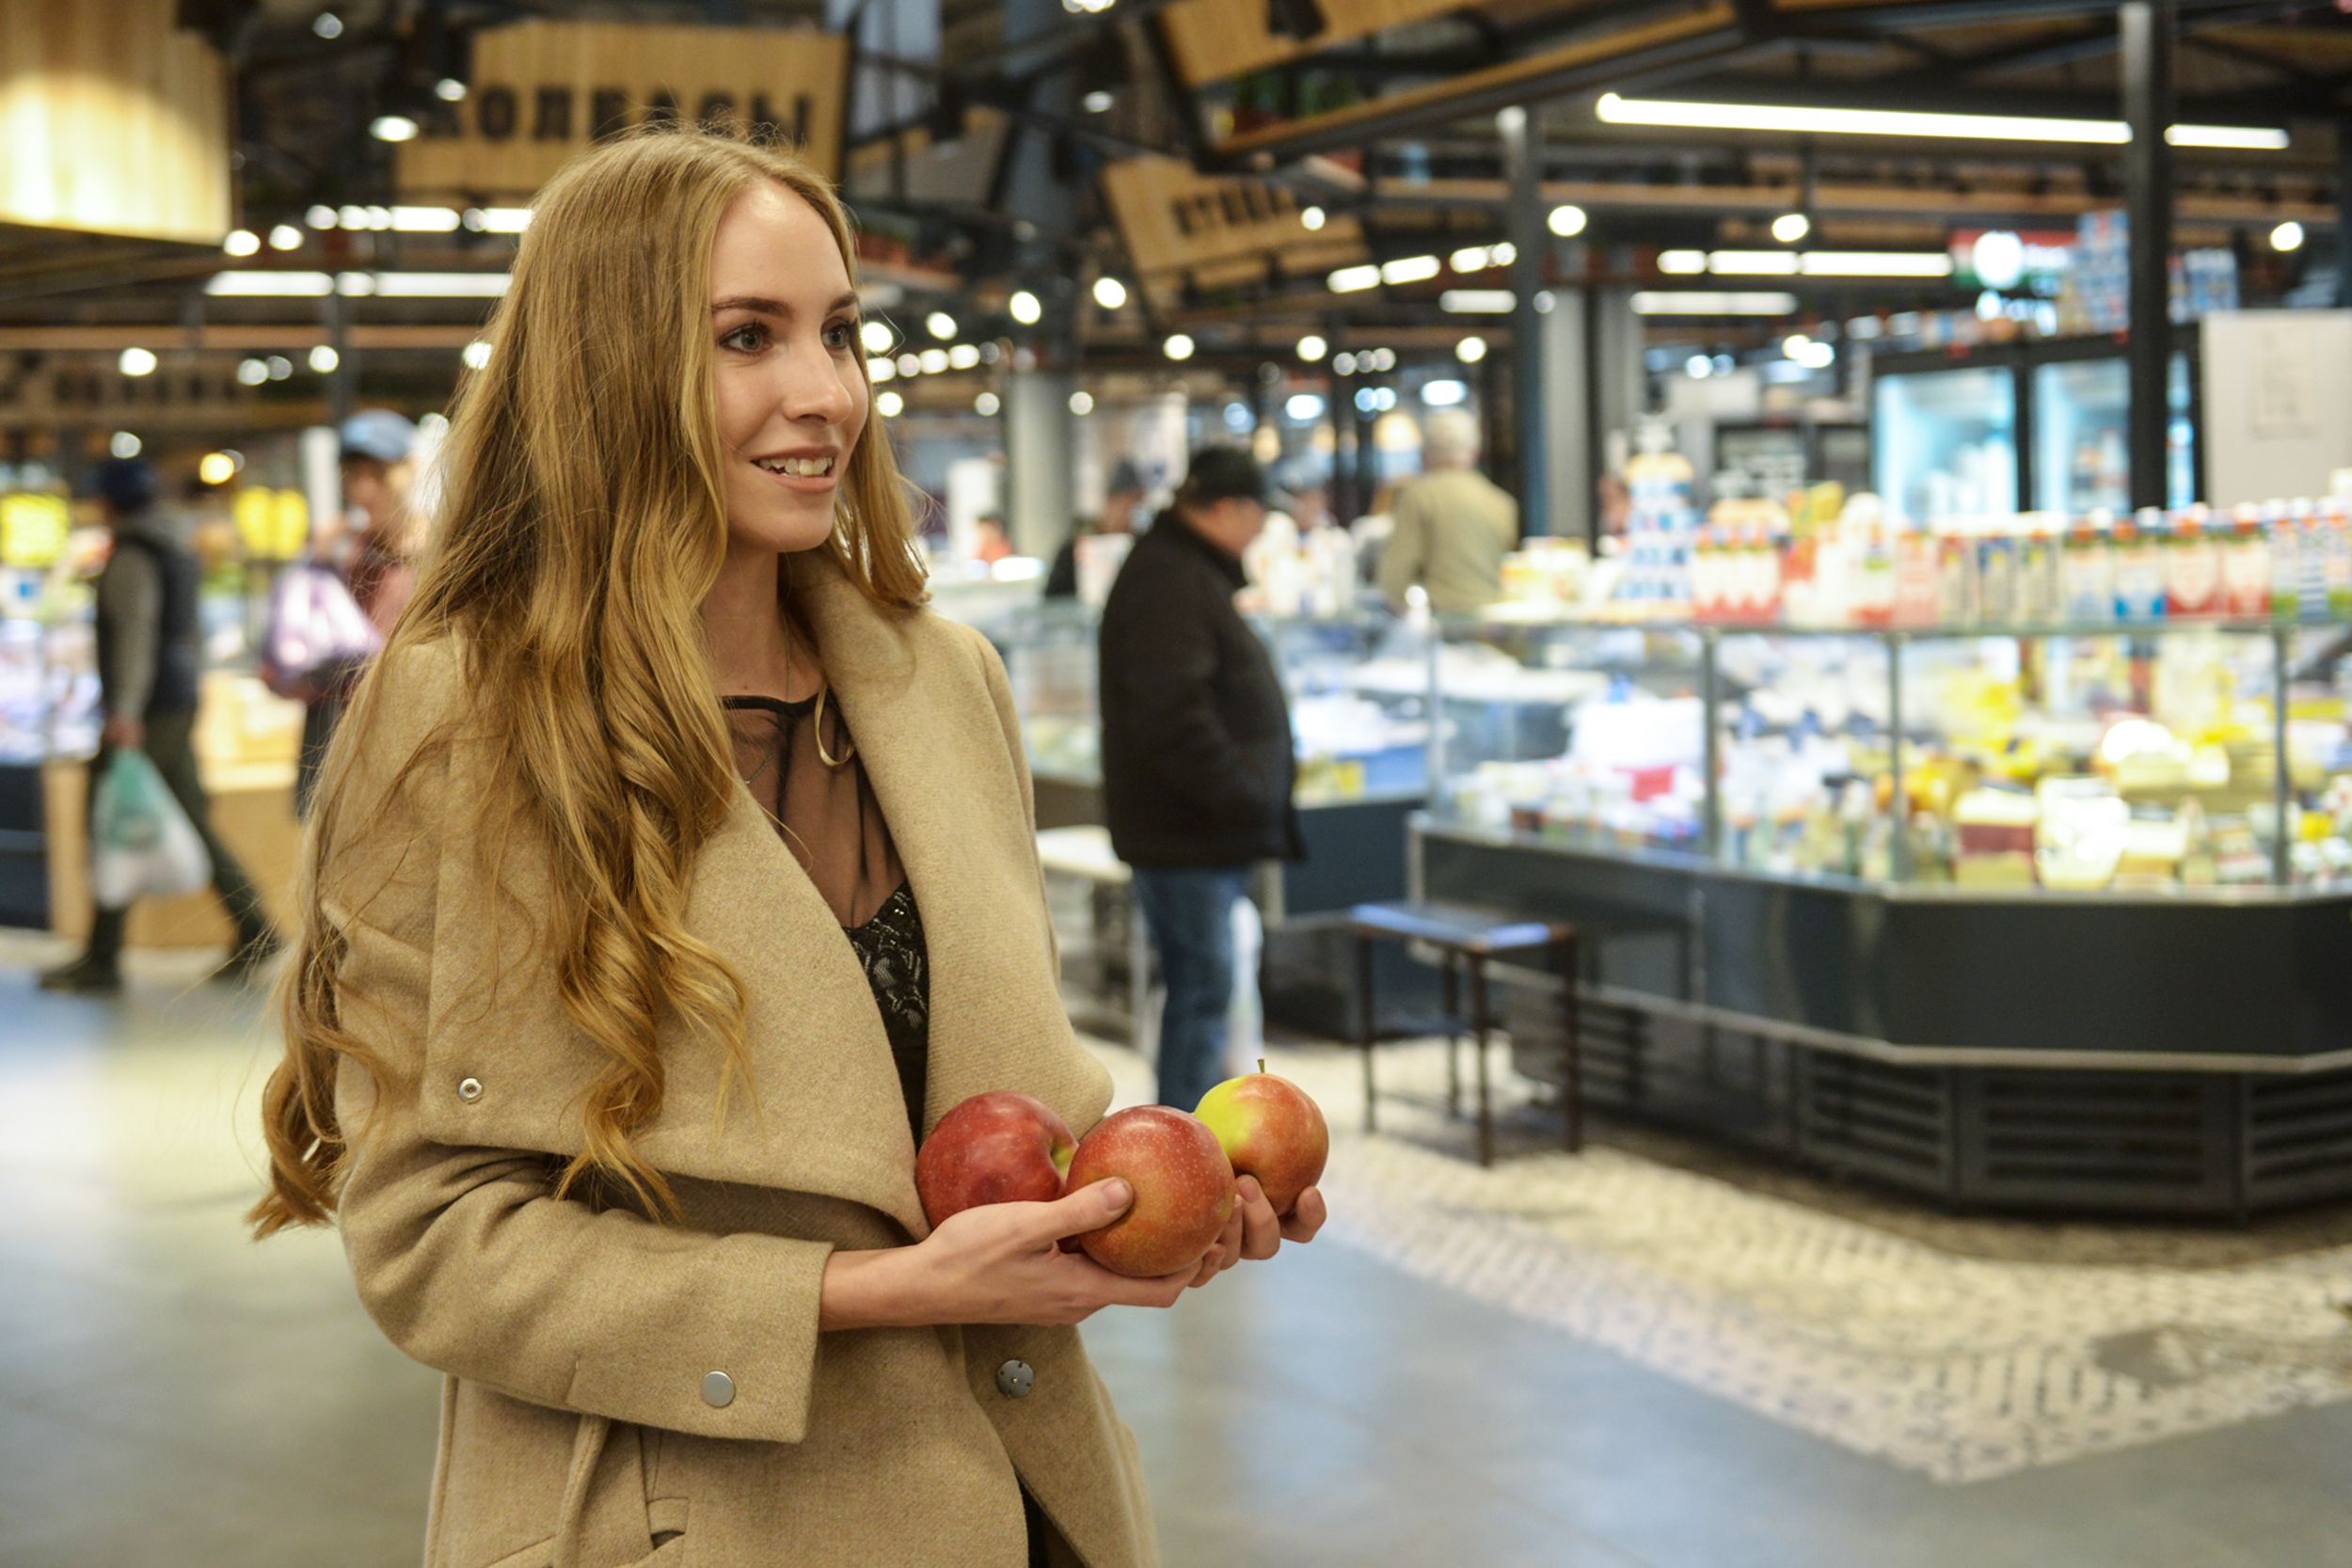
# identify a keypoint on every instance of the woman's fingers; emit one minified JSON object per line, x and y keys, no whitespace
{"x":1261,"y":1233}
{"x":1305,"y":1216}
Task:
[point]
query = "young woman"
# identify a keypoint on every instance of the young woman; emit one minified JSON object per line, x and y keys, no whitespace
{"x":672,"y":871}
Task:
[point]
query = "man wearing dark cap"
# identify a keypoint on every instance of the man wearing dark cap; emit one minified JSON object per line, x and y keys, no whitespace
{"x":149,"y":664}
{"x":1197,"y":753}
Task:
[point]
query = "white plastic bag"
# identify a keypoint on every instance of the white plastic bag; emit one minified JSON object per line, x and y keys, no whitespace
{"x":143,"y":845}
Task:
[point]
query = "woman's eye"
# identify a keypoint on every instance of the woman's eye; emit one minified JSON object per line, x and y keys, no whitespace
{"x":750,"y":338}
{"x":840,"y":335}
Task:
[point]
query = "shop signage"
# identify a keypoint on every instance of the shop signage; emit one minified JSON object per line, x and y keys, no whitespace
{"x":1212,"y":40}
{"x":1216,"y":228}
{"x":545,"y":90}
{"x":2010,"y":260}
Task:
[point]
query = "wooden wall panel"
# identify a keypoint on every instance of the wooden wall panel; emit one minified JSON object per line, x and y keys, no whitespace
{"x":111,"y":122}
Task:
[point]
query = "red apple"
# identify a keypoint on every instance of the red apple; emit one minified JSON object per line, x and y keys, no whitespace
{"x":1184,"y":1190}
{"x":995,"y":1147}
{"x":1270,"y":1128}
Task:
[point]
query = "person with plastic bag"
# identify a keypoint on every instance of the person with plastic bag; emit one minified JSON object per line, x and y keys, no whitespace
{"x":369,"y":553}
{"x":150,"y":666}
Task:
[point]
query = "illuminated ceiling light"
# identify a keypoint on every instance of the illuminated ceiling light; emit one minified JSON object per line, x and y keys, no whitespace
{"x":252,"y":373}
{"x":137,"y":361}
{"x":240,"y":241}
{"x":320,"y":216}
{"x":910,"y":363}
{"x":1477,"y":302}
{"x":505,"y":220}
{"x":1109,"y":293}
{"x":1303,"y":407}
{"x":878,"y":370}
{"x":1313,"y":218}
{"x":279,"y":367}
{"x":285,"y":236}
{"x":270,"y":285}
{"x":1757,"y":262}
{"x":1349,"y":280}
{"x":1653,"y":303}
{"x":2287,"y":236}
{"x":1410,"y":269}
{"x":1081,"y":403}
{"x":1875,"y":263}
{"x":1475,"y":257}
{"x":1505,"y":254}
{"x":393,"y":128}
{"x":354,"y":285}
{"x":1470,"y":350}
{"x":964,"y":357}
{"x":932,"y":361}
{"x":1179,"y":346}
{"x":1794,"y":346}
{"x":327,"y":25}
{"x":1024,"y":307}
{"x":125,"y":445}
{"x":890,"y":405}
{"x":476,"y":355}
{"x":1806,"y":120}
{"x":1567,"y":220}
{"x":448,"y":89}
{"x":1097,"y":101}
{"x":1791,"y":227}
{"x":217,"y":467}
{"x":1698,"y":367}
{"x":1381,"y":359}
{"x":1344,"y":363}
{"x":441,"y":285}
{"x":354,"y":217}
{"x":876,"y":336}
{"x":324,"y":359}
{"x":1444,"y":394}
{"x":425,"y":220}
{"x":940,"y":324}
{"x":1311,"y":348}
{"x":1681,"y":261}
{"x":985,"y":403}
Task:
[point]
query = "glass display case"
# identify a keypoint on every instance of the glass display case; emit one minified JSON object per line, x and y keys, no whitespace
{"x":2080,"y":413}
{"x":1944,"y":442}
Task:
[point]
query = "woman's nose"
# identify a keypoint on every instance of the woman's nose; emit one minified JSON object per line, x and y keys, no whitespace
{"x":814,"y":389}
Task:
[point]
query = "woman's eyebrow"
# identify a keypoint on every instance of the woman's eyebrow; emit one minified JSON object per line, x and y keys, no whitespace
{"x":760,"y":304}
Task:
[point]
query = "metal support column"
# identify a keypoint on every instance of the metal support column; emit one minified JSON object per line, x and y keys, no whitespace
{"x":2149,"y":29}
{"x":2343,"y":213}
{"x":1522,"y":161}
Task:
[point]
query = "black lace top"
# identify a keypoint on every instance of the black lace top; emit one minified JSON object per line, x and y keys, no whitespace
{"x":826,"y":813}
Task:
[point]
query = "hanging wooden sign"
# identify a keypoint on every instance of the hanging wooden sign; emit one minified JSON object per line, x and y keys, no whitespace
{"x":545,"y":90}
{"x":1181,"y":223}
{"x":1215,"y":40}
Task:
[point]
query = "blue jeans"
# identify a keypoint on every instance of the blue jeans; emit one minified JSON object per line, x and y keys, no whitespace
{"x":1190,"y":915}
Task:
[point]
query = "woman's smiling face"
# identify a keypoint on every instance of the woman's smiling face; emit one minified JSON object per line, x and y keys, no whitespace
{"x":791,"y":394}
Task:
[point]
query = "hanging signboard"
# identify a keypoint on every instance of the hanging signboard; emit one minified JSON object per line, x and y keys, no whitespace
{"x":1214,"y":40}
{"x":1180,"y":224}
{"x":543,"y":91}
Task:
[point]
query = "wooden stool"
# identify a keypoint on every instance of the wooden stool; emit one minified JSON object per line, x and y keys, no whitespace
{"x":1471,"y":936}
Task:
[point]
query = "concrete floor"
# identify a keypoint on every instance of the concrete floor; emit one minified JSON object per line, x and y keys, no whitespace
{"x":172,"y":1395}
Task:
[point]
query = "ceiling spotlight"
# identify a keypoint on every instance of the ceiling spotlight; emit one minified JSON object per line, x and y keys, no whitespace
{"x":217,"y":467}
{"x":448,"y":89}
{"x":354,"y":217}
{"x":910,"y":363}
{"x":1567,"y":220}
{"x":393,"y":128}
{"x":875,"y":335}
{"x":1311,"y":218}
{"x":1179,"y":346}
{"x":324,"y":358}
{"x":1791,"y":227}
{"x":240,"y":241}
{"x":890,"y":405}
{"x":985,"y":403}
{"x":285,"y":237}
{"x":280,"y":367}
{"x":1344,"y":362}
{"x":1698,"y":367}
{"x":320,"y":216}
{"x":941,"y":325}
{"x":327,"y":25}
{"x":2287,"y":236}
{"x":878,"y":370}
{"x":1109,"y":293}
{"x":125,"y":445}
{"x":476,"y":355}
{"x":1096,"y":103}
{"x":932,"y":361}
{"x":1311,"y":348}
{"x":252,"y":373}
{"x":1024,"y":307}
{"x":1081,"y":403}
{"x":137,"y":361}
{"x":1470,"y":350}
{"x":964,"y":357}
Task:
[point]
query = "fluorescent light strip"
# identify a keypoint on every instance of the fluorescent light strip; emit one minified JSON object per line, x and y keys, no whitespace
{"x":1477,"y":302}
{"x":425,"y":220}
{"x":440,"y":285}
{"x":1874,"y":263}
{"x":271,"y":285}
{"x":1753,"y":263}
{"x":1349,"y":280}
{"x":1651,"y":303}
{"x":1412,"y":269}
{"x":1811,"y":120}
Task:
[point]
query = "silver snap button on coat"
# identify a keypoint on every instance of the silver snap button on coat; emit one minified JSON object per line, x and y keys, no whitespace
{"x":469,"y":1089}
{"x":718,"y":1390}
{"x":1014,"y":1380}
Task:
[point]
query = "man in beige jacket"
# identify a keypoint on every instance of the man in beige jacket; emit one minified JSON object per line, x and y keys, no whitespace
{"x":1453,"y":525}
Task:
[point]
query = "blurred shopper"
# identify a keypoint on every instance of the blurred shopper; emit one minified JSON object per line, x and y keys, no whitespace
{"x":991,"y":543}
{"x":374,"y":545}
{"x":1119,"y":509}
{"x":151,"y":660}
{"x":1197,"y":751}
{"x":1453,"y":525}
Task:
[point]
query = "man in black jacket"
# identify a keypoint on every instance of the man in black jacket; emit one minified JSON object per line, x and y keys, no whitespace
{"x":149,"y":669}
{"x":1197,"y":754}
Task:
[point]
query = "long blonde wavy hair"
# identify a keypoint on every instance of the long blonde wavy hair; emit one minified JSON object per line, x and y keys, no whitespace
{"x":583,"y":522}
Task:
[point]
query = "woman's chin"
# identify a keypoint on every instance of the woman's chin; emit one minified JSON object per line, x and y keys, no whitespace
{"x":785,"y":531}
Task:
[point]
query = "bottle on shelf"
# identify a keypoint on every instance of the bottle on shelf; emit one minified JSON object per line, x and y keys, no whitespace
{"x":2192,"y":576}
{"x":2087,"y":572}
{"x":2245,"y":568}
{"x":2282,"y":541}
{"x":2039,"y":598}
{"x":2140,"y":594}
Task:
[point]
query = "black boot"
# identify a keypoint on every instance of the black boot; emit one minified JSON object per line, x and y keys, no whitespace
{"x":88,"y":976}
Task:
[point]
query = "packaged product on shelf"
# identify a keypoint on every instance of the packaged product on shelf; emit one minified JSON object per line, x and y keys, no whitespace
{"x":2078,"y":838}
{"x":1995,"y":829}
{"x":2334,"y":520}
{"x":2040,"y":601}
{"x":1996,"y":573}
{"x":2284,"y":537}
{"x":2087,"y":573}
{"x":2245,"y":567}
{"x":2140,"y":562}
{"x":1955,"y":574}
{"x":2192,"y":575}
{"x":1917,"y":588}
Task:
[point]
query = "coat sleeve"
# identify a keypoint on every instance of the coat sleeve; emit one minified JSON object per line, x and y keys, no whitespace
{"x":470,"y":1265}
{"x":1405,"y":555}
{"x":1164,"y":646}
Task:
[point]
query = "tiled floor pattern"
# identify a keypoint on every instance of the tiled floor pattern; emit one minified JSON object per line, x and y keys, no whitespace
{"x":1926,"y":1346}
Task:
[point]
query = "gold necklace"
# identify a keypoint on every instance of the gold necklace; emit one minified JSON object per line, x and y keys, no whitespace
{"x":816,"y":730}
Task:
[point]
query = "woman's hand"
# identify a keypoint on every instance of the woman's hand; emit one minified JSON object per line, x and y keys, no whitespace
{"x":1256,"y":1232}
{"x":997,"y":1263}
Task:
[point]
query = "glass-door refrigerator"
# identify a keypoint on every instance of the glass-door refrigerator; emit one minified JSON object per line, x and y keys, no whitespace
{"x":2080,"y":409}
{"x":1944,"y":437}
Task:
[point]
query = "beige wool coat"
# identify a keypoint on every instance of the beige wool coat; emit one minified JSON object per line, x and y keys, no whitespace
{"x":581,"y":1426}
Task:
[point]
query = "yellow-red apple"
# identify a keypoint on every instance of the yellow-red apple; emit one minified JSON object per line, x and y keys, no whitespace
{"x":1270,"y":1128}
{"x":1184,"y":1188}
